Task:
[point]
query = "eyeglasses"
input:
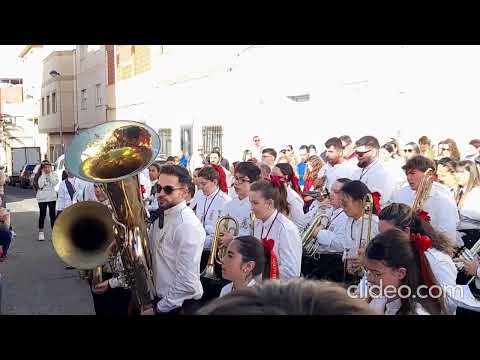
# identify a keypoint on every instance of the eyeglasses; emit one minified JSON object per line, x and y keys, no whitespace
{"x":240,"y":180}
{"x":257,"y":140}
{"x":360,"y":154}
{"x":444,"y":148}
{"x":167,"y":189}
{"x":408,"y":150}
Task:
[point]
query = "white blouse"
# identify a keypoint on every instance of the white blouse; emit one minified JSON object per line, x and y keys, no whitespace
{"x":240,"y":210}
{"x":227,"y":289}
{"x":287,"y":247}
{"x":354,"y":235}
{"x":332,"y":239}
{"x":209,"y":210}
{"x":295,"y":204}
{"x":470,"y":211}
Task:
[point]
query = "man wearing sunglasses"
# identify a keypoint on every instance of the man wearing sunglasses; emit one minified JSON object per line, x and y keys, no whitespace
{"x":240,"y":208}
{"x":177,"y":247}
{"x":370,"y":171}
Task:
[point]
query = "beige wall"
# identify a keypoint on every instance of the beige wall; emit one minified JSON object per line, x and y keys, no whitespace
{"x":63,"y":86}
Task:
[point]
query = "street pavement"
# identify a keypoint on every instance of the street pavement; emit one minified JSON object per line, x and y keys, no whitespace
{"x":34,"y":279}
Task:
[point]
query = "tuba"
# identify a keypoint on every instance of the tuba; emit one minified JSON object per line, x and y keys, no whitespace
{"x":112,"y":154}
{"x":423,"y":190}
{"x":309,"y":244}
{"x":218,"y":253}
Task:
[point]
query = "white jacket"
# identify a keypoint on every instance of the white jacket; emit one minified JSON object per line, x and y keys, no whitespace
{"x":64,"y":200}
{"x":46,"y":187}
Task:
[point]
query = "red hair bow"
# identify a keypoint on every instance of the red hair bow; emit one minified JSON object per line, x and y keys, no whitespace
{"x":222,"y":184}
{"x":277,"y":181}
{"x":295,"y":184}
{"x":376,"y":201}
{"x":422,"y":244}
{"x":268,"y":244}
{"x":422,"y":214}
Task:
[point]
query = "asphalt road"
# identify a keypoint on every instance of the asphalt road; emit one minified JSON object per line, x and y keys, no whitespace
{"x":34,"y":279}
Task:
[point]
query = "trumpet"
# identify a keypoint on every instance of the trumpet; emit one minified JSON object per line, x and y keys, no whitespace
{"x":310,"y":247}
{"x":367,"y":210}
{"x":465,"y":254}
{"x":217,"y":252}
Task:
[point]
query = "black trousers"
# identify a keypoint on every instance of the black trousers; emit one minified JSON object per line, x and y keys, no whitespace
{"x":113,"y":302}
{"x":43,"y":213}
{"x":211,"y":288}
{"x":328,"y":267}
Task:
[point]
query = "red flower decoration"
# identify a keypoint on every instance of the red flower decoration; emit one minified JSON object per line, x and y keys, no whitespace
{"x":422,"y":244}
{"x":376,"y":201}
{"x":268,"y":244}
{"x":142,"y":189}
{"x":422,"y":214}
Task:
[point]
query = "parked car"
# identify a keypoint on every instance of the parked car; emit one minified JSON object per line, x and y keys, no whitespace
{"x":25,"y":175}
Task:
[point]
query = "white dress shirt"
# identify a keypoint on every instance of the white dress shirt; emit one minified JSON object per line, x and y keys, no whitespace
{"x":381,"y":306}
{"x":445,"y":273}
{"x":352,"y":234}
{"x":331,"y":240}
{"x":441,"y":209}
{"x":209,"y":210}
{"x":85,"y":191}
{"x":240,"y":210}
{"x":295,"y":204}
{"x":287,"y":247}
{"x":470,"y":211}
{"x":64,"y":200}
{"x":377,"y":179}
{"x":227,"y":289}
{"x":394,"y":167}
{"x":194,"y":201}
{"x":337,"y":171}
{"x":176,"y":252}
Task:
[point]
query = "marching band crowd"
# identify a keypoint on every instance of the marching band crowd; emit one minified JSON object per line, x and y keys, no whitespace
{"x":287,"y":233}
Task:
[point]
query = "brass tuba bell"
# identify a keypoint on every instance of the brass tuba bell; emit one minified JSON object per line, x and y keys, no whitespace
{"x":112,"y":154}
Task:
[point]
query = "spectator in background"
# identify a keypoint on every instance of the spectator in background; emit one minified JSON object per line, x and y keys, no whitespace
{"x":312,"y":150}
{"x":269,"y":156}
{"x":410,"y":150}
{"x":170,"y":160}
{"x":314,"y":164}
{"x":5,"y":233}
{"x":302,"y":165}
{"x":184,"y":159}
{"x":224,"y":162}
{"x":473,"y":150}
{"x":265,"y":171}
{"x":290,"y":152}
{"x":3,"y":180}
{"x":448,"y":148}
{"x":247,"y":155}
{"x":425,"y":145}
{"x":257,"y":148}
{"x":348,"y":148}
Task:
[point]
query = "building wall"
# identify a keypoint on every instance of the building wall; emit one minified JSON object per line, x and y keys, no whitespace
{"x":91,"y":70}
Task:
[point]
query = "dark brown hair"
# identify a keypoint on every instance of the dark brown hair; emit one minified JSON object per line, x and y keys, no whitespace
{"x":251,"y":249}
{"x":420,"y":163}
{"x":394,"y":249}
{"x":209,"y":173}
{"x":288,"y":297}
{"x":357,"y":190}
{"x":270,"y":192}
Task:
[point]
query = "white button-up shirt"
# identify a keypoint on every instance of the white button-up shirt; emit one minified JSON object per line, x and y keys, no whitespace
{"x":354,"y":235}
{"x":442,"y":209}
{"x":337,"y":171}
{"x":176,"y":252}
{"x":227,"y":289}
{"x":240,"y":210}
{"x":331,"y":240}
{"x":287,"y":247}
{"x":295,"y":204}
{"x":64,"y":200}
{"x":377,"y":179}
{"x":209,"y":210}
{"x":470,"y":211}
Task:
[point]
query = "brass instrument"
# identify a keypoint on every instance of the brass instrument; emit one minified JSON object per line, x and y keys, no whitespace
{"x":367,"y":210}
{"x":217,"y":252}
{"x":112,"y":154}
{"x":310,"y":247}
{"x":423,"y":190}
{"x":465,"y":254}
{"x":252,"y":223}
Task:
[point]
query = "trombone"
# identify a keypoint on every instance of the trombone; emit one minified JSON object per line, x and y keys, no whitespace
{"x":367,"y":213}
{"x":423,"y":190}
{"x":217,"y":252}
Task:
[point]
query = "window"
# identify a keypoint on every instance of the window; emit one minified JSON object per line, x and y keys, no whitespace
{"x":48,"y":105}
{"x":212,"y":137}
{"x":83,"y":103}
{"x":98,"y":94}
{"x":165,"y":142}
{"x":54,"y":103}
{"x":43,"y":106}
{"x":186,"y":143}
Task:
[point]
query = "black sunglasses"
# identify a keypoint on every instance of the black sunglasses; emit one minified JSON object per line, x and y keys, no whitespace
{"x":168,"y":189}
{"x":408,"y":150}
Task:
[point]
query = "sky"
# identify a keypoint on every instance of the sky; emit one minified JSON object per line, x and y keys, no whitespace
{"x":10,"y":64}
